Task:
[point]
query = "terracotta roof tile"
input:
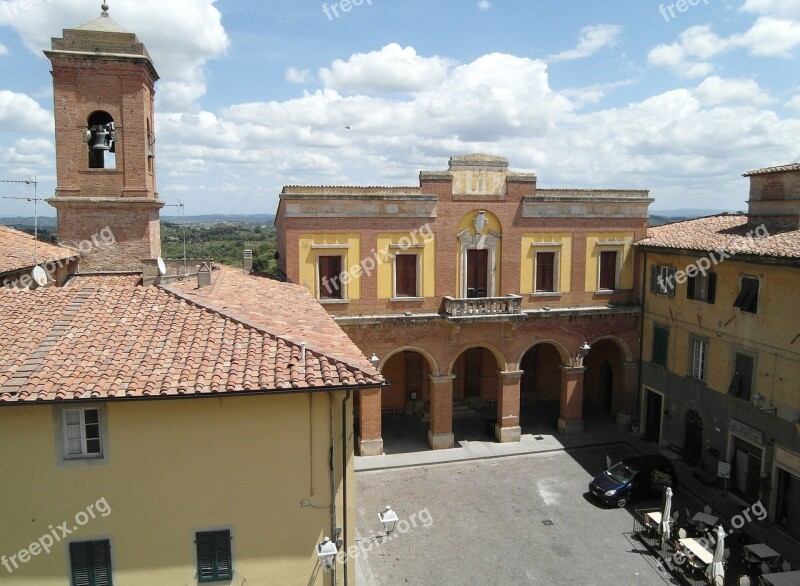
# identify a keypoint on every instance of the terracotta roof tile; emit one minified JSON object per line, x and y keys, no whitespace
{"x":19,"y":250}
{"x":770,"y":170}
{"x":108,"y":337}
{"x":730,"y":233}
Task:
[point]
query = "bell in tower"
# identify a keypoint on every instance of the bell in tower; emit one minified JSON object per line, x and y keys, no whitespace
{"x":104,"y":91}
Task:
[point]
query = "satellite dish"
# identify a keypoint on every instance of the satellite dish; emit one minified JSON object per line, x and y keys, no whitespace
{"x":162,"y":268}
{"x":40,"y":276}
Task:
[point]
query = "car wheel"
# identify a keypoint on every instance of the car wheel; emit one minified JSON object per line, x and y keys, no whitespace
{"x":622,"y":502}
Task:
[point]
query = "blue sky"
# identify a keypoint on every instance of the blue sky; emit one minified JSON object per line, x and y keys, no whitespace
{"x":678,"y":98}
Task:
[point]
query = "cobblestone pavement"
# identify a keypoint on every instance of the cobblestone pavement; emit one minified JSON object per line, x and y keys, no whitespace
{"x":517,"y":520}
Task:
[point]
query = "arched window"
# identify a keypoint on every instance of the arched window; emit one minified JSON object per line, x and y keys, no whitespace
{"x":100,"y":137}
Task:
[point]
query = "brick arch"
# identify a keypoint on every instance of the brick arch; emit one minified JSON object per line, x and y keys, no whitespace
{"x":625,"y":351}
{"x":433,"y":365}
{"x":499,"y":357}
{"x":560,"y":348}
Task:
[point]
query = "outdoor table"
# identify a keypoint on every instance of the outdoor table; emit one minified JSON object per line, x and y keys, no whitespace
{"x":705,"y":519}
{"x":653,"y":519}
{"x":697,"y":550}
{"x":763,"y":553}
{"x":781,"y":579}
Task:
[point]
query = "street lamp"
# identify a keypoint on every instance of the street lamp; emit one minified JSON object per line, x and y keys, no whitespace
{"x":583,"y":352}
{"x":375,"y":360}
{"x":758,"y":402}
{"x":388,"y":519}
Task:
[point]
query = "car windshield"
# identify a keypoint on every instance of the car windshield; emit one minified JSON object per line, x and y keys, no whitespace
{"x":620,"y":473}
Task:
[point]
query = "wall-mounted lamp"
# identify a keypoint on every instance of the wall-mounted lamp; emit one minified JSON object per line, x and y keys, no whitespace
{"x":375,"y":360}
{"x":388,"y":519}
{"x":758,"y":402}
{"x":326,"y":553}
{"x":583,"y":352}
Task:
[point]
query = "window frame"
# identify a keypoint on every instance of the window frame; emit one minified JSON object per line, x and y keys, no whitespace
{"x":342,"y":256}
{"x":668,"y":276}
{"x":91,"y":557}
{"x":753,"y":375}
{"x":417,"y":280}
{"x":226,"y":537}
{"x":665,"y":329}
{"x":742,"y":296}
{"x":60,"y":428}
{"x":693,"y":368}
{"x":618,"y":251}
{"x":693,"y":289}
{"x":556,"y":274}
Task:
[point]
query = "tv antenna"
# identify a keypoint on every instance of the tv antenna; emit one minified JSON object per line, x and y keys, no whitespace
{"x":183,"y":224}
{"x":35,"y":200}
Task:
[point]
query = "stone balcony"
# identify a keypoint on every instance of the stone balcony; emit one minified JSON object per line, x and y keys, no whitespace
{"x":483,"y":306}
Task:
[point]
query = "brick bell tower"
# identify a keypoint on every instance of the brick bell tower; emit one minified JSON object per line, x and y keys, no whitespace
{"x":103,"y":85}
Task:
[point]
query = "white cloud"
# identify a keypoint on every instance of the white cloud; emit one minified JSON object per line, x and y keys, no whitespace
{"x":688,"y":57}
{"x":770,"y":37}
{"x":3,"y":50}
{"x":592,"y":39}
{"x":794,"y":103}
{"x":181,"y":36}
{"x":716,"y":91}
{"x":21,"y":113}
{"x":789,"y":8}
{"x":393,"y":69}
{"x":295,"y":75}
{"x":484,"y":4}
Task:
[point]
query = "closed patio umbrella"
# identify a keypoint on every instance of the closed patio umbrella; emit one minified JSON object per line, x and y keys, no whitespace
{"x":716,"y":567}
{"x":665,"y":518}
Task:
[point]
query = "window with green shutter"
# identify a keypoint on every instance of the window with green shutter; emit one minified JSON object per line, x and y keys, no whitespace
{"x":214,"y":556}
{"x":660,"y":339}
{"x":91,"y":563}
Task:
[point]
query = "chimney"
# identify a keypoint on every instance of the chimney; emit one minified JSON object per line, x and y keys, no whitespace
{"x":203,"y":276}
{"x":248,"y":260}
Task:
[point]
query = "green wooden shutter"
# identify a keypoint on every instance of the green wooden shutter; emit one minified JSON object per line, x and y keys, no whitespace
{"x":222,"y":554}
{"x":91,"y":563}
{"x":205,"y":557}
{"x":214,"y":556}
{"x":690,"y":287}
{"x":80,"y":559}
{"x":712,"y":287}
{"x":101,"y":563}
{"x":660,"y":338}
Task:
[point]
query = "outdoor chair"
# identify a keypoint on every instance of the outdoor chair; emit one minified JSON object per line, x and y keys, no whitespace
{"x":681,"y":533}
{"x":744,"y":581}
{"x":765,"y":569}
{"x":786,"y":566}
{"x":726,"y":554}
{"x":707,"y":509}
{"x":719,"y":581}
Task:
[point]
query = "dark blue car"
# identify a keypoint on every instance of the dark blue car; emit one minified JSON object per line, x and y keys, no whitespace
{"x":631,"y":478}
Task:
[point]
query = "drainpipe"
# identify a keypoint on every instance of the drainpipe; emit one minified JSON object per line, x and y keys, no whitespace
{"x":645,"y":281}
{"x":344,"y":477}
{"x":333,"y":484}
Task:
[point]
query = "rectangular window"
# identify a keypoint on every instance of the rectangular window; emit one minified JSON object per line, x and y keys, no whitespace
{"x":82,"y":433}
{"x":545,"y":272}
{"x":662,"y":280}
{"x":699,"y":348}
{"x":702,"y":287}
{"x":214,"y":556}
{"x":405,"y":267}
{"x":742,"y":379}
{"x":330,"y":270}
{"x":608,"y":270}
{"x":90,"y":563}
{"x":660,"y":340}
{"x":747,"y":300}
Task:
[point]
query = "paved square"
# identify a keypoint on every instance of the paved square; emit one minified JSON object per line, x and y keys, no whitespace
{"x":516,"y":520}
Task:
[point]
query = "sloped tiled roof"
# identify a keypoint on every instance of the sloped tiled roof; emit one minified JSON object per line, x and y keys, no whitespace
{"x":280,"y":308}
{"x":730,"y":233}
{"x":108,"y":337}
{"x":770,"y":170}
{"x":18,"y":251}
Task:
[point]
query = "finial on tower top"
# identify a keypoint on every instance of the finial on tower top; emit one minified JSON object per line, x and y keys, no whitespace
{"x":104,"y":6}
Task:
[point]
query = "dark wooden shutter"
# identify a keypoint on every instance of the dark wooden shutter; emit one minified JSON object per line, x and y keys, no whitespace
{"x":660,"y":339}
{"x":80,"y":558}
{"x":91,"y":563}
{"x":608,"y":269}
{"x":712,"y":287}
{"x":406,"y":277}
{"x":747,"y":300}
{"x":222,"y":554}
{"x":330,"y":269}
{"x":545,"y":271}
{"x":205,"y":557}
{"x":690,"y":287}
{"x":101,"y":563}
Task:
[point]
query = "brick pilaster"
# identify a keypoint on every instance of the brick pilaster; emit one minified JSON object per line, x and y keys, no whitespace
{"x":440,"y":435}
{"x":507,"y":428}
{"x":370,"y":442}
{"x":570,"y":421}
